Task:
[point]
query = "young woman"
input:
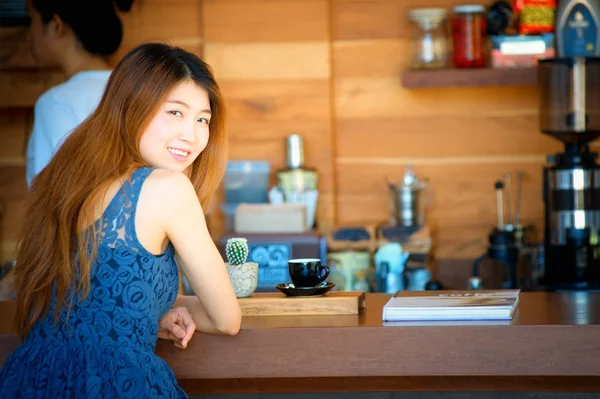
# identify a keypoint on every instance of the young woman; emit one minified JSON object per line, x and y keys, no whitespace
{"x":96,"y":266}
{"x":75,"y":37}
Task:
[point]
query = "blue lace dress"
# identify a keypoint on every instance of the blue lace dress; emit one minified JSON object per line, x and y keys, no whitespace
{"x":106,"y":350}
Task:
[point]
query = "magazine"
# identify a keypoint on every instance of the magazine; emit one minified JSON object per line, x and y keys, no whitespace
{"x":440,"y":323}
{"x":452,"y":305}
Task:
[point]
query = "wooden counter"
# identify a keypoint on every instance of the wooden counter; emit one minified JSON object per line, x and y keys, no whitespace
{"x":552,"y":344}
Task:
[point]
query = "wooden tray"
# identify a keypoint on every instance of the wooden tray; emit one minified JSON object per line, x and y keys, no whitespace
{"x":277,"y":304}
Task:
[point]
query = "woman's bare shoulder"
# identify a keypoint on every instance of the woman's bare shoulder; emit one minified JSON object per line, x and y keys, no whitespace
{"x":166,"y":176}
{"x":170,"y":187}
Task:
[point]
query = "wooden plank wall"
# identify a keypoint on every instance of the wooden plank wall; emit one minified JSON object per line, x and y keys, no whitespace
{"x":461,"y":139}
{"x":330,"y":70}
{"x":14,"y":122}
{"x":272,"y":59}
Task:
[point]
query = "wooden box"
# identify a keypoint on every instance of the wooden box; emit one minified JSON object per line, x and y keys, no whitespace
{"x":277,"y":304}
{"x":269,"y":218}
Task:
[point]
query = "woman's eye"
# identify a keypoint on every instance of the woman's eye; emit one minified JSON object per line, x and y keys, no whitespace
{"x":176,"y":113}
{"x":204,"y":121}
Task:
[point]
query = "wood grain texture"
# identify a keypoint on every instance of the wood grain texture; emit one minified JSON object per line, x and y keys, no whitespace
{"x":178,"y":23}
{"x":12,"y":221}
{"x":277,"y":304}
{"x":366,"y":351}
{"x":463,"y":77}
{"x":391,"y":384}
{"x":378,"y":19}
{"x":15,"y":48}
{"x":13,"y":191}
{"x":462,"y":205}
{"x":15,"y":124}
{"x":8,"y":250}
{"x":22,"y":87}
{"x":166,"y":2}
{"x":471,"y":358}
{"x":369,"y":57}
{"x":381,"y":97}
{"x":331,"y":70}
{"x":168,"y":21}
{"x":276,"y":100}
{"x":261,"y":114}
{"x":412,"y":355}
{"x":442,"y":137}
{"x":12,"y":183}
{"x":273,"y":63}
{"x":266,"y":61}
{"x":260,"y":21}
{"x":262,"y":352}
{"x":461,"y":138}
{"x":356,"y":19}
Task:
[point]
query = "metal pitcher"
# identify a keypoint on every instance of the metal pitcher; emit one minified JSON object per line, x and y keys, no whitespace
{"x":408,"y":200}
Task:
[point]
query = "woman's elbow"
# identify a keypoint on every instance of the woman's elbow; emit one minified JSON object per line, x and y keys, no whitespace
{"x":232,"y":325}
{"x":231,"y":328}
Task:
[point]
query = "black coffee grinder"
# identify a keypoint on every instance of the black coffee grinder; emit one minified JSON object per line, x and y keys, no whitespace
{"x":503,"y":248}
{"x":570,"y":112}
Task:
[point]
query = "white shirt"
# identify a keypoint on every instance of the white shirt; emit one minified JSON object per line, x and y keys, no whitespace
{"x":57,"y":112}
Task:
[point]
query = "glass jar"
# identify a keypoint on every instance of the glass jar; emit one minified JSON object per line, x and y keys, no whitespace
{"x":469,"y":36}
{"x":430,"y":39}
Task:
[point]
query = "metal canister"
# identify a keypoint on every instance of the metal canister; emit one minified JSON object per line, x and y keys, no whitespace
{"x":408,"y":200}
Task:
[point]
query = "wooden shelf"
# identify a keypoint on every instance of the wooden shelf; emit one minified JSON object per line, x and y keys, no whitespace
{"x":469,"y":77}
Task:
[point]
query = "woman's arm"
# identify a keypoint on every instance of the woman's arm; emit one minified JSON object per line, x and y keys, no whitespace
{"x":201,"y":318}
{"x":178,"y":326}
{"x":216,"y":308}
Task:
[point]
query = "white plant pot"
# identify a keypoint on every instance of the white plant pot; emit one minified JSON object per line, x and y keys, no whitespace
{"x":244,"y":278}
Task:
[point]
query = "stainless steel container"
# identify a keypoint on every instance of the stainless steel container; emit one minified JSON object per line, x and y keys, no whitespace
{"x":408,"y":200}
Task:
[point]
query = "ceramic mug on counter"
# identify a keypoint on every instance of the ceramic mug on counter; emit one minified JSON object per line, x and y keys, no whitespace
{"x":307,"y":272}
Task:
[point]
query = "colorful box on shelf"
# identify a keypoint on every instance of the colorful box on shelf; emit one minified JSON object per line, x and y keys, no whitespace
{"x":521,"y":51}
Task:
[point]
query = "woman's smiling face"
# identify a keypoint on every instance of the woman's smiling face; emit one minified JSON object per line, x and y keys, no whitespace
{"x":179,"y":131}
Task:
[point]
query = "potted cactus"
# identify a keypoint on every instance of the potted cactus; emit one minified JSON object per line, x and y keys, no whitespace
{"x":243,"y":274}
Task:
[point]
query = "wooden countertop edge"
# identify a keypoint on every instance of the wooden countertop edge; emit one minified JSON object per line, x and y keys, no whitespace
{"x":498,"y":351}
{"x":392,"y":384}
{"x":385,"y":383}
{"x":543,"y":350}
{"x":369,"y":352}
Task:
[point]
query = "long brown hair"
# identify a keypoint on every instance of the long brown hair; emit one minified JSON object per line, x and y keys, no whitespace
{"x":53,"y":253}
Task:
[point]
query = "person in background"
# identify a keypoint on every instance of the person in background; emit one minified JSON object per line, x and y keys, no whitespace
{"x":96,"y":268}
{"x":74,"y":36}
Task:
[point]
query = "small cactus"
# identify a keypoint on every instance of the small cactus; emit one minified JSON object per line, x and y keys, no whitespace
{"x":236,"y":251}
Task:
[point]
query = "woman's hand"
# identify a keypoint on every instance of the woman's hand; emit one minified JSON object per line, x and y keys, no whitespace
{"x":178,"y":326}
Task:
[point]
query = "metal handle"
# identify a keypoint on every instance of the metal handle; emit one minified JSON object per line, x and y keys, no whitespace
{"x":499,"y":204}
{"x":507,"y":197}
{"x":520,"y":175}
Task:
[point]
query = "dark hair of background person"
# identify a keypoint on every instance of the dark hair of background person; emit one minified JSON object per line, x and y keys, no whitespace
{"x":95,"y":23}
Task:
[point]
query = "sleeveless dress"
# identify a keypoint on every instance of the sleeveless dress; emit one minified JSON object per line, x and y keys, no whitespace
{"x":106,"y":350}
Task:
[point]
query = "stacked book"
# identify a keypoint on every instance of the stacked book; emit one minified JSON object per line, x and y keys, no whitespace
{"x":451,"y":305}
